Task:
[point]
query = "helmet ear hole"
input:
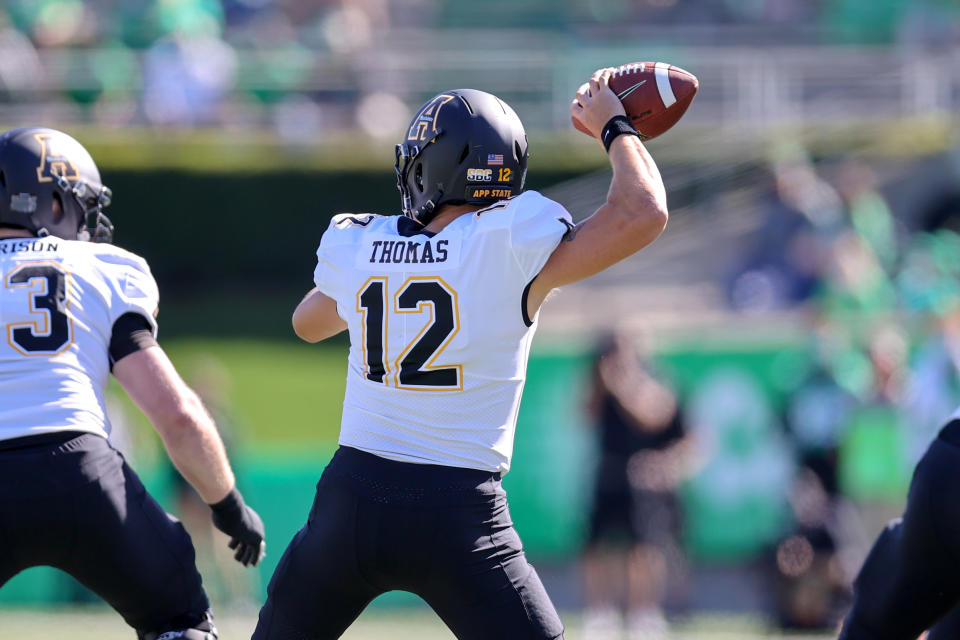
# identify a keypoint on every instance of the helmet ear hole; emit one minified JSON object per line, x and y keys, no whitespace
{"x":464,"y":153}
{"x":57,"y":208}
{"x":517,"y":152}
{"x":418,"y":177}
{"x":3,"y":180}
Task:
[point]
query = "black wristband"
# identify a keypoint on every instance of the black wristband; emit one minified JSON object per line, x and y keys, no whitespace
{"x":616,"y":126}
{"x":233,"y":503}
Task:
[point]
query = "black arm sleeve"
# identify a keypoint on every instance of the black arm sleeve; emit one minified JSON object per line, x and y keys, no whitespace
{"x":131,"y":333}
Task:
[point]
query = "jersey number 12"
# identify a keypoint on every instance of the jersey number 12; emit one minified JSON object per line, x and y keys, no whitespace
{"x":413,"y":367}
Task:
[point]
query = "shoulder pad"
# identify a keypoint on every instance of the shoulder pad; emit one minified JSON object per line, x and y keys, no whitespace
{"x":112,"y":254}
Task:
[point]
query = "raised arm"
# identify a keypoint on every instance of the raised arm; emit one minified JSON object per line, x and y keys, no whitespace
{"x":316,"y":317}
{"x":634,"y":214}
{"x":193,"y":443}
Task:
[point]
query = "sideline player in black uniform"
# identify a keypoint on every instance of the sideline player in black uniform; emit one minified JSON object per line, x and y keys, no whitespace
{"x":441,"y":306}
{"x":910,"y":581}
{"x":635,"y":521}
{"x":72,"y":312}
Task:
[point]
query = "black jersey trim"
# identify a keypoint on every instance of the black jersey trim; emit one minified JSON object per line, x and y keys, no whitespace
{"x":131,"y":333}
{"x":523,"y":304}
{"x":408,"y":227}
{"x":359,"y":219}
{"x":499,"y":204}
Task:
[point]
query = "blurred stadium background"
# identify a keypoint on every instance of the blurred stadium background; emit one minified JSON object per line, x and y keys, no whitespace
{"x":803,"y":301}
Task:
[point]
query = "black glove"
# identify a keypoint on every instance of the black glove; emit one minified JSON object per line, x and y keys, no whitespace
{"x":232,"y":516}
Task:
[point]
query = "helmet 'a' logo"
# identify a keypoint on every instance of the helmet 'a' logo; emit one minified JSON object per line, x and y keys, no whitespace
{"x":425,"y":124}
{"x":53,"y":162}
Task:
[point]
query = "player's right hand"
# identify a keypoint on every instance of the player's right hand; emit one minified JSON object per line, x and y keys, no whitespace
{"x":232,"y":516}
{"x":595,"y":102}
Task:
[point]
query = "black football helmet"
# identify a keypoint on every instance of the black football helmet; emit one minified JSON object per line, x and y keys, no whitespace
{"x":38,"y":166}
{"x":463,"y":146}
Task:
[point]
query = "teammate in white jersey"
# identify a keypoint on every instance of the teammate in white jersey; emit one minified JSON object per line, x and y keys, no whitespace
{"x":441,"y":307}
{"x":72,"y":312}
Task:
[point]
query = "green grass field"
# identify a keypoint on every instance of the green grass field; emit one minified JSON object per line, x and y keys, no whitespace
{"x":100,"y":624}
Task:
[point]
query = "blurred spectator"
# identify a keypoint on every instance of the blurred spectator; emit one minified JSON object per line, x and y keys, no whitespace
{"x":928,"y":281}
{"x":818,"y":413}
{"x":801,"y":214}
{"x":240,"y":12}
{"x":855,"y":280}
{"x":21,"y":68}
{"x":338,"y":36}
{"x":635,"y":520}
{"x":873,"y":465}
{"x":931,"y":390}
{"x":381,"y":115}
{"x":56,"y":23}
{"x":873,"y":468}
{"x":351,"y":27}
{"x":811,"y":577}
{"x":185,"y":79}
{"x":868,"y":211}
{"x":811,"y":587}
{"x":929,"y":287}
{"x":189,"y":17}
{"x":864,"y":253}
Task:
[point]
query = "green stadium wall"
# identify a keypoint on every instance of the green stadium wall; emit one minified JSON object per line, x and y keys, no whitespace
{"x":287,"y":431}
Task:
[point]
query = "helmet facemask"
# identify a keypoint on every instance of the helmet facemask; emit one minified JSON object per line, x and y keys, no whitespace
{"x":408,"y":154}
{"x":95,"y":226}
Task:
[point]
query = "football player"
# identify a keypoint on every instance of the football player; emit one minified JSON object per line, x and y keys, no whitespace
{"x":71,"y":313}
{"x":441,"y":306}
{"x":910,"y":579}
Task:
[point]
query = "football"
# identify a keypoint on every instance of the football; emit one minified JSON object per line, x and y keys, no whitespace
{"x":655,"y":95}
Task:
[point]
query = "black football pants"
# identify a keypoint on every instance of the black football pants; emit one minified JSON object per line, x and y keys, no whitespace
{"x":911,"y":578}
{"x":442,"y":533}
{"x":70,"y":501}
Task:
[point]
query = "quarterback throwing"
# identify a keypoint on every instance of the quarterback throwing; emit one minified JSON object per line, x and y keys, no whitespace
{"x":441,"y":308}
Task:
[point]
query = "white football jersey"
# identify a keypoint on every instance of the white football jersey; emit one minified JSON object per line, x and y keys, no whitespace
{"x":58,"y":303}
{"x":438,"y":334}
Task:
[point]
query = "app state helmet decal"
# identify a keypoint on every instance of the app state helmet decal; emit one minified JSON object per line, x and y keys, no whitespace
{"x":426,"y":120}
{"x":54,"y":161}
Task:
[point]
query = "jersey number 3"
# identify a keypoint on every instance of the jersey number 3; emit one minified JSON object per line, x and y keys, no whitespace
{"x":412,"y":368}
{"x":50,"y":331}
